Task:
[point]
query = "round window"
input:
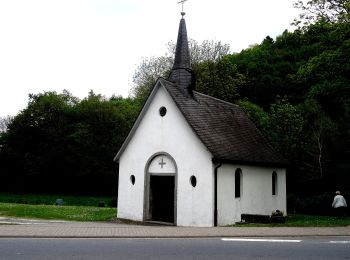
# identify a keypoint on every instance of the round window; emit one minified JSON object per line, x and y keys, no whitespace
{"x":193,"y":181}
{"x":162,"y":111}
{"x":132,"y":179}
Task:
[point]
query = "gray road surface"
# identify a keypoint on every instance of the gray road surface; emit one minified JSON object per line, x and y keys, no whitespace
{"x":214,"y":248}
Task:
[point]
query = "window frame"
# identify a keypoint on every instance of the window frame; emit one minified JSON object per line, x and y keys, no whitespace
{"x":274,"y":183}
{"x":238,"y":183}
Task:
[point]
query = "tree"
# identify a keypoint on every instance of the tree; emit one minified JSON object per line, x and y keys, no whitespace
{"x":151,"y":68}
{"x":327,"y":73}
{"x":267,"y":68}
{"x":61,"y":144}
{"x":219,"y":79}
{"x":33,"y":140}
{"x":4,"y":122}
{"x":256,"y":114}
{"x":147,"y":73}
{"x":329,"y":11}
{"x":208,"y":50}
{"x":319,"y":129}
{"x":286,"y":128}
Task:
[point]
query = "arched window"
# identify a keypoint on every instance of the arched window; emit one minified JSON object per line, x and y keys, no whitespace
{"x":274,"y":183}
{"x":238,"y":183}
{"x":193,"y":181}
{"x":132,"y":179}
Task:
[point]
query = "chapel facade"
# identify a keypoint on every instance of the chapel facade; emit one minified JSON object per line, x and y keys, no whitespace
{"x":194,"y":160}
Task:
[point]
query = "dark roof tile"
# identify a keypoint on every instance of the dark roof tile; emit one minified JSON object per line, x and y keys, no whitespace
{"x":224,"y":128}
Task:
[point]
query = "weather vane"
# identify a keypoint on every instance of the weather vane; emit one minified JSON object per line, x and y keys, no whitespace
{"x":182,"y":10}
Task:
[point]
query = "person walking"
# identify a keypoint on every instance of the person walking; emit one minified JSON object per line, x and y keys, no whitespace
{"x":339,"y":204}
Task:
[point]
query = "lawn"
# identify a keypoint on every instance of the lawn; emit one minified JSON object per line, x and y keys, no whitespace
{"x":316,"y":221}
{"x":75,"y":208}
{"x":306,"y":221}
{"x":72,"y":213}
{"x":42,"y":199}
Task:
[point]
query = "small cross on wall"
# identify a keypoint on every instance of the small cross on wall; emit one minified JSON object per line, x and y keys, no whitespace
{"x":162,"y":163}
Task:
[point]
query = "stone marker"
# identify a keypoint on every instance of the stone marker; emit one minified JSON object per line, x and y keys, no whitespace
{"x":59,"y":202}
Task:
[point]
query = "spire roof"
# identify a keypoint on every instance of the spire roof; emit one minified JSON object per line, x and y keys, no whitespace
{"x":181,"y":73}
{"x":182,"y":53}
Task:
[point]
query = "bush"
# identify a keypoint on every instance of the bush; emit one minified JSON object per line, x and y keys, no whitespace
{"x":317,"y":204}
{"x":114,"y":202}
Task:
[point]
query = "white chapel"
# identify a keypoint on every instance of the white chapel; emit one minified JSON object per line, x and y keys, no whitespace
{"x":194,"y":160}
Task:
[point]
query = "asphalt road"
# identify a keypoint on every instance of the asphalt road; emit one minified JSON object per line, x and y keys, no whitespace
{"x":217,"y":248}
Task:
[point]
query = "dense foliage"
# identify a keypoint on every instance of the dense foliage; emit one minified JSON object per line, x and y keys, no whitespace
{"x":326,"y":10}
{"x":64,"y":145}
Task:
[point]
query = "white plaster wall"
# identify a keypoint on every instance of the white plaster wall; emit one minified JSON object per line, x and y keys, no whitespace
{"x":173,"y":135}
{"x":256,"y":192}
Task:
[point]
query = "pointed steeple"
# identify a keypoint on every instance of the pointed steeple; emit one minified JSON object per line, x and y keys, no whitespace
{"x":181,"y":72}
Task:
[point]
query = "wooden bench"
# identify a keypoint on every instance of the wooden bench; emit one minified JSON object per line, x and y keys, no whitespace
{"x":255,"y":218}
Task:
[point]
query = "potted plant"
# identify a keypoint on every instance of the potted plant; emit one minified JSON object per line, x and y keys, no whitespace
{"x":277,"y":216}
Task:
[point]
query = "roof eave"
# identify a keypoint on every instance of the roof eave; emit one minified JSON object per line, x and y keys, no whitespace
{"x":282,"y":163}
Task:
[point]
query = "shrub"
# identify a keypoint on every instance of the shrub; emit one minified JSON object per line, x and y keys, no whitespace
{"x":114,"y":202}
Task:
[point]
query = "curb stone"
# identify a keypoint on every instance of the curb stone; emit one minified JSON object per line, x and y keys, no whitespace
{"x":65,"y":229}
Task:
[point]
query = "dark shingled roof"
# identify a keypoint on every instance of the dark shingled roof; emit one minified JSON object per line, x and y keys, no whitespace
{"x":224,"y":129}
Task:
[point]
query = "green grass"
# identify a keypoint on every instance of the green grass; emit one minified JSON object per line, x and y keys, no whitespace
{"x":316,"y":221}
{"x":72,"y":213}
{"x":306,"y":221}
{"x":39,"y":199}
{"x":76,"y":208}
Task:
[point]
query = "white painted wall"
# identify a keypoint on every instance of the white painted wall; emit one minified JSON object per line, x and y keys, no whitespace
{"x":173,"y":135}
{"x":256,"y":192}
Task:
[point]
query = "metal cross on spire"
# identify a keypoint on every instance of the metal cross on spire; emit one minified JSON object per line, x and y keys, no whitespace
{"x":182,"y":2}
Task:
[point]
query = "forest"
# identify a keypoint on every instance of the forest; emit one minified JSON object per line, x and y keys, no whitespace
{"x":295,"y":88}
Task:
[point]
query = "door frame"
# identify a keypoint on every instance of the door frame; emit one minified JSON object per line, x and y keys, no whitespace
{"x":147,"y":213}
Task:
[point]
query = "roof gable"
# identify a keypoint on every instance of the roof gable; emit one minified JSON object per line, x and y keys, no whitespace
{"x":224,"y":128}
{"x":159,"y":84}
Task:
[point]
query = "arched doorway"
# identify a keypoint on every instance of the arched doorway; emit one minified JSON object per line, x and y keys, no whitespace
{"x":160,"y":189}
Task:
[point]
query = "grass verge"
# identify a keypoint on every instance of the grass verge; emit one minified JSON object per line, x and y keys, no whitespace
{"x":306,"y":221}
{"x":317,"y":221}
{"x":72,"y":213}
{"x":43,"y":199}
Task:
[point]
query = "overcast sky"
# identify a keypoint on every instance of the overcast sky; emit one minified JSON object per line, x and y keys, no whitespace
{"x":78,"y":45}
